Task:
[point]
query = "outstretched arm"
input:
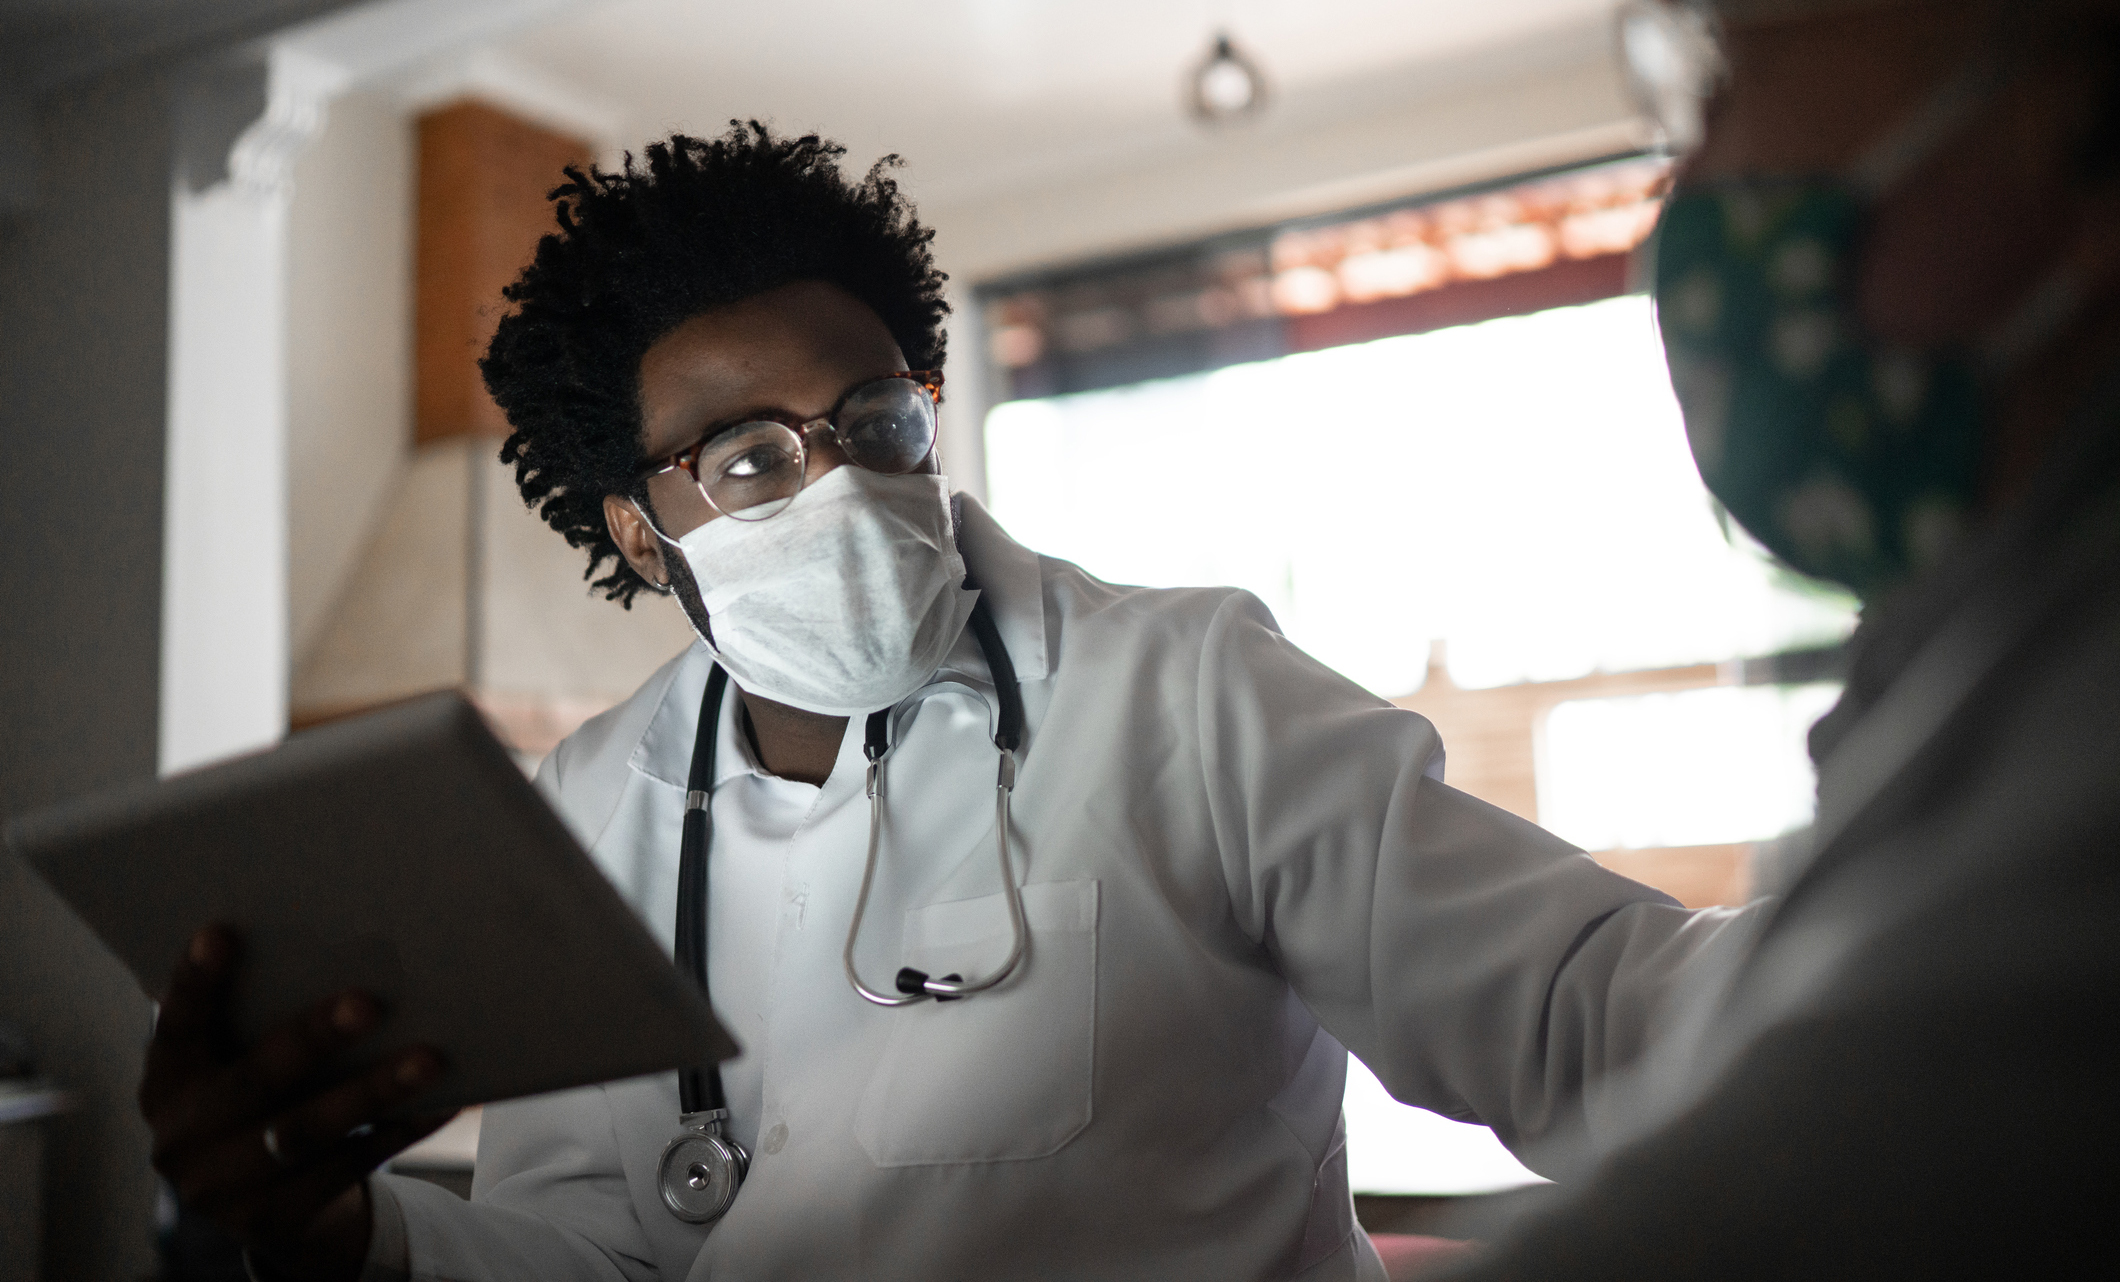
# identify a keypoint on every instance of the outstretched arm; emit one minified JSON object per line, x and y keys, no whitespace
{"x":1481,"y":966}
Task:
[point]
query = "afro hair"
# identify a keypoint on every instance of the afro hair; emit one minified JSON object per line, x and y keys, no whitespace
{"x":700,"y":223}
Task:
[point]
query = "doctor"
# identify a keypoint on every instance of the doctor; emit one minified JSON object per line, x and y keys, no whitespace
{"x":1234,"y":865}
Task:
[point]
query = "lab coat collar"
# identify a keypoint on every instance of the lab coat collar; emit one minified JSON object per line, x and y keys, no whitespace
{"x":1008,"y":576}
{"x":665,"y":750}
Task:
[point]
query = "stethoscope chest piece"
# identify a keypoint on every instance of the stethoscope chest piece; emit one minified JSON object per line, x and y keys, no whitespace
{"x":701,"y":1168}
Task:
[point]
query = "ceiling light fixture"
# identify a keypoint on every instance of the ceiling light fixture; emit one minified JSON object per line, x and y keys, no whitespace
{"x":1226,"y":85}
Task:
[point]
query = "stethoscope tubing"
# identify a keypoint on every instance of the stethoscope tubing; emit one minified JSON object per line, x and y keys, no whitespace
{"x":702,"y":1168}
{"x":701,"y":1090}
{"x":915,"y":986}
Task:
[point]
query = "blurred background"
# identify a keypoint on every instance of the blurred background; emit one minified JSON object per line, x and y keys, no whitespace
{"x":1348,"y":285}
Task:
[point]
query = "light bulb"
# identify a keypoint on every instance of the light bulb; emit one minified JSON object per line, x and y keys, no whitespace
{"x":1225,"y":85}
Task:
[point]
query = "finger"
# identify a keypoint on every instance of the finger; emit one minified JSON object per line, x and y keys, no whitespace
{"x":320,"y":1123}
{"x":242,"y":1095}
{"x":191,"y":1015}
{"x":290,"y":1053}
{"x":290,"y":1205}
{"x":198,"y":985}
{"x":231,"y":1166}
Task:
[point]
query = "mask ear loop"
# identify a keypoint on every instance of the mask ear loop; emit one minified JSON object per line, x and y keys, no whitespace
{"x":1948,"y":109}
{"x":2043,"y":314}
{"x":664,"y":588}
{"x":2052,"y":303}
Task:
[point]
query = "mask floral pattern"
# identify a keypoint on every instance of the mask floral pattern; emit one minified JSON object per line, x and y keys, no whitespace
{"x":1849,"y":460}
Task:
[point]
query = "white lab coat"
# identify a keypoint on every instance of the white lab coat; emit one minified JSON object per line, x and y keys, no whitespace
{"x":1236,"y":863}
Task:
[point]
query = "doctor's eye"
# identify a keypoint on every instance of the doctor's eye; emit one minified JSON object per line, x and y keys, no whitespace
{"x":752,"y":453}
{"x":753,"y":471}
{"x":761,"y":460}
{"x":888,"y":426}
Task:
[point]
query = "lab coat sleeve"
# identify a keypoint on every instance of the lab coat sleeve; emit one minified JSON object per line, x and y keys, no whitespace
{"x":1482,"y":967}
{"x":549,"y":1202}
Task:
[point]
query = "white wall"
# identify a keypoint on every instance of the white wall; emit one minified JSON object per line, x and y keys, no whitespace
{"x":224,"y":551}
{"x":349,"y":346}
{"x":967,"y":395}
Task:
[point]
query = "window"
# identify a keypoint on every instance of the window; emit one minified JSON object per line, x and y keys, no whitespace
{"x":1520,"y":487}
{"x":1690,"y":768}
{"x":1393,"y":1149}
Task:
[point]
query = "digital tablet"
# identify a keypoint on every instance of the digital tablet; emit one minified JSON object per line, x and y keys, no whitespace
{"x":403,"y":853}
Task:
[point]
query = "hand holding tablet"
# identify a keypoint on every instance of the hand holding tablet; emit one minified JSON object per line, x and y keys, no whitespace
{"x":261,"y":1139}
{"x":404,"y":927}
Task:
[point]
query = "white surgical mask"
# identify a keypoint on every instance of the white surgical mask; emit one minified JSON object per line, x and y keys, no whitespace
{"x":843,"y":603}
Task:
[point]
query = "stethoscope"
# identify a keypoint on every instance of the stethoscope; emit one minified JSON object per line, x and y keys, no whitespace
{"x":702,"y":1167}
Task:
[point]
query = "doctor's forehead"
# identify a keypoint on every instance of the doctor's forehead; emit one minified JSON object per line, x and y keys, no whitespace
{"x":795,"y":347}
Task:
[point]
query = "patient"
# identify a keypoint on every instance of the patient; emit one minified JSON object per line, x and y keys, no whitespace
{"x":1886,"y":281}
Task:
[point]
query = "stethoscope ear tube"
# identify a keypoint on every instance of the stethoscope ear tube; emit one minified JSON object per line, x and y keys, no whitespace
{"x":1003,"y":669}
{"x":915,"y":985}
{"x":951,"y":987}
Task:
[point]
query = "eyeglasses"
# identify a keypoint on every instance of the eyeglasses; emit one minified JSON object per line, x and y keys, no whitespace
{"x":752,"y":470}
{"x":1673,"y":67}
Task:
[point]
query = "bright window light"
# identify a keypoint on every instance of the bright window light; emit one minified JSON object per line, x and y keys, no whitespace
{"x":1520,"y":488}
{"x":1695,"y":768}
{"x":1395,"y":1149}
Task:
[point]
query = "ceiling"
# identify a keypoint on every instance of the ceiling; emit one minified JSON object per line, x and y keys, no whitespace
{"x":1034,"y":131}
{"x":984,"y":96}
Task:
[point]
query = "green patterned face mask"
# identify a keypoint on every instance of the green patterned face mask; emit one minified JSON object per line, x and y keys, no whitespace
{"x":1848,"y":460}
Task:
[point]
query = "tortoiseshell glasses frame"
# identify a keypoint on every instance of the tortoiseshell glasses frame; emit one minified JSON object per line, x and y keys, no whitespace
{"x":752,"y":469}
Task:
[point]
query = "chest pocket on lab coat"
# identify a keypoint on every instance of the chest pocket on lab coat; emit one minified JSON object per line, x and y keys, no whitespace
{"x":1003,"y":1075}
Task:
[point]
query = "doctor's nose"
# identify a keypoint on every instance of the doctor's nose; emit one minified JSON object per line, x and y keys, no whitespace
{"x":821,"y":449}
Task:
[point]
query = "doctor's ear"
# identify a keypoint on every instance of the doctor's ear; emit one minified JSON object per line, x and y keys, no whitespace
{"x":636,"y":540}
